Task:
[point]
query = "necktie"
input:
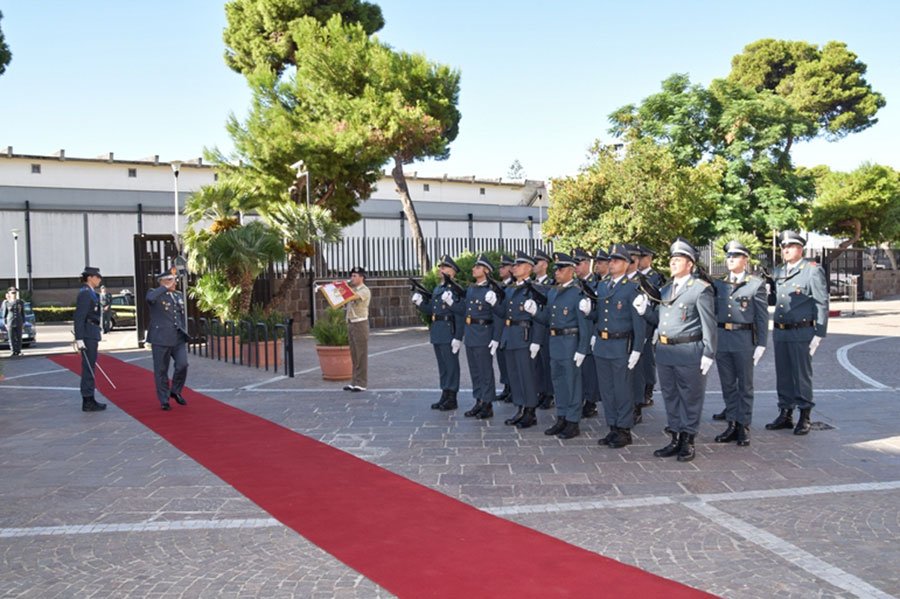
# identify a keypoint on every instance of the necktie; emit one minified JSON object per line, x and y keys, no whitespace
{"x":674,"y":289}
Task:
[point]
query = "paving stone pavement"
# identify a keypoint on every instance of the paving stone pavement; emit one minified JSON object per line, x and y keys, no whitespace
{"x":97,"y":505}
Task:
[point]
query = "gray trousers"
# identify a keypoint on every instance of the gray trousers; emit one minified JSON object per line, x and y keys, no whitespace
{"x":618,"y":402}
{"x":637,"y":382}
{"x":88,"y":357}
{"x":648,"y":360}
{"x":793,"y":375}
{"x":15,"y":337}
{"x":543,"y":375}
{"x":683,"y":389}
{"x":359,"y":352}
{"x":162,"y":355}
{"x":567,"y":384}
{"x":481,"y":369}
{"x":501,"y":364}
{"x":520,"y":368}
{"x":590,"y":386}
{"x":448,"y":366}
{"x":736,"y":375}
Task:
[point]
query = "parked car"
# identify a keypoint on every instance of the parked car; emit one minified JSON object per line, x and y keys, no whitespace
{"x":29,"y":331}
{"x":123,"y":310}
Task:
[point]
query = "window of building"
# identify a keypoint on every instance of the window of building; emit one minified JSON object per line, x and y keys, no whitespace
{"x":35,"y":169}
{"x":132,"y":173}
{"x":426,"y":187}
{"x":481,"y":191}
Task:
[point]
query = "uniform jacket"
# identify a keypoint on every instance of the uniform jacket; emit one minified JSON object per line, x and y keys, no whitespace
{"x":615,"y":314}
{"x":742,"y":303}
{"x":561,"y":312}
{"x":691,"y":312}
{"x":519,"y":330}
{"x":87,"y":314}
{"x":13,"y":313}
{"x":546,"y":280}
{"x":446,"y":324}
{"x":801,"y":297}
{"x":476,"y":311}
{"x":655,"y":278}
{"x":166,"y":318}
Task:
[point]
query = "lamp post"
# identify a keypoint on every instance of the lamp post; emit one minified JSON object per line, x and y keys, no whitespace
{"x":176,"y":167}
{"x":15,"y":234}
{"x":303,"y":171}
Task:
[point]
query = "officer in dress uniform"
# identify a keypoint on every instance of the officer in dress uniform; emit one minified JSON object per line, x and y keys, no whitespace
{"x":506,"y":279}
{"x":686,"y":348}
{"x":482,"y":336}
{"x":601,"y":266}
{"x":742,"y":312}
{"x":619,"y":332}
{"x":565,"y":317}
{"x":13,"y":313}
{"x":637,"y":379}
{"x":590,"y":386}
{"x":521,"y":338}
{"x":543,"y":379}
{"x":446,"y":333}
{"x":799,"y":325}
{"x":168,"y":336}
{"x":87,"y":335}
{"x":648,"y":353}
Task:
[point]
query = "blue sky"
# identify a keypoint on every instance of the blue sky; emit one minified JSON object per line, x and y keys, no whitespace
{"x":538,"y":78}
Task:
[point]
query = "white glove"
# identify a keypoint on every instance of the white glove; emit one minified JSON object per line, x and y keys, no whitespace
{"x":640,"y":304}
{"x":633,"y":359}
{"x":79,"y":344}
{"x":447,"y":297}
{"x":530,"y":306}
{"x":579,"y":358}
{"x":493,"y":345}
{"x":490,"y":297}
{"x":455,"y":344}
{"x":417,"y":298}
{"x":814,"y":345}
{"x":758,"y":354}
{"x":585,"y":306}
{"x":535,"y":348}
{"x":593,"y":341}
{"x":705,"y":364}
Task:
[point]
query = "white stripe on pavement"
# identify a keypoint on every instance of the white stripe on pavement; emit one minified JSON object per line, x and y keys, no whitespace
{"x":146,"y":526}
{"x":844,"y":361}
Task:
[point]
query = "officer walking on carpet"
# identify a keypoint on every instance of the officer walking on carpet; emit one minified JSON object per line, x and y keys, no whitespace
{"x":168,"y":336}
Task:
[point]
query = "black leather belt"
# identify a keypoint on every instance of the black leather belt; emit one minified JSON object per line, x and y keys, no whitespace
{"x":735,"y":326}
{"x":470,"y":320}
{"x":436,"y":318}
{"x":794,"y":325}
{"x":569,"y":331}
{"x":518,"y":323}
{"x":678,"y":340}
{"x":611,"y":335}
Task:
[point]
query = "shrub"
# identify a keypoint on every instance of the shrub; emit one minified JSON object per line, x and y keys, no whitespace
{"x":331,"y":329}
{"x":54,"y":314}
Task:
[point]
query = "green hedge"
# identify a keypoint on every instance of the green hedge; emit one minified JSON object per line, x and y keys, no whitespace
{"x":54,"y":314}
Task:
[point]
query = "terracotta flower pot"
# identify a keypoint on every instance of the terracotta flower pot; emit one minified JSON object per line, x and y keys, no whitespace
{"x":335,"y":362}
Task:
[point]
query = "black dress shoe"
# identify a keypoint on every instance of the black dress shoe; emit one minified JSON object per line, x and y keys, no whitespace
{"x":545,"y":401}
{"x":743,"y":435}
{"x":89,"y":404}
{"x":670,"y":449}
{"x":178,"y":399}
{"x":476,"y":409}
{"x":638,"y":417}
{"x":720,"y":415}
{"x":557,"y":426}
{"x":528,"y":419}
{"x":449,"y":403}
{"x":588,"y":409}
{"x":516,"y":417}
{"x":785,"y":420}
{"x":436,"y":405}
{"x":685,"y":447}
{"x":570,"y":431}
{"x":613,"y":431}
{"x":803,"y":424}
{"x":622,"y":438}
{"x":486,"y":411}
{"x":348,"y":387}
{"x":505,"y":395}
{"x":730,"y":434}
{"x":166,"y":407}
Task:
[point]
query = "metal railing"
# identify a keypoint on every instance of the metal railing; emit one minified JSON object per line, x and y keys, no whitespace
{"x":245,"y":343}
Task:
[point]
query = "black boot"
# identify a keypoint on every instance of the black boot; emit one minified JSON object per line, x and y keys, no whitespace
{"x":685,"y":447}
{"x":545,"y":401}
{"x":450,"y":403}
{"x":505,"y":395}
{"x":89,"y":404}
{"x":516,"y":418}
{"x":622,"y":438}
{"x":648,"y":396}
{"x":743,"y":435}
{"x":785,"y":420}
{"x":610,"y":436}
{"x":486,"y":411}
{"x":803,"y":425}
{"x":720,"y":416}
{"x":730,"y":434}
{"x":589,"y":409}
{"x":557,"y":426}
{"x":570,"y":431}
{"x":437,"y":405}
{"x":670,"y":449}
{"x":476,"y":409}
{"x":638,"y":417}
{"x":528,"y":419}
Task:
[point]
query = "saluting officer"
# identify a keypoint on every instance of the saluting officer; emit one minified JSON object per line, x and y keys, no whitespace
{"x":648,"y":353}
{"x":742,"y":313}
{"x":570,"y":337}
{"x":800,"y":324}
{"x":620,"y":332}
{"x":506,"y":280}
{"x":446,"y":333}
{"x":542,"y":376}
{"x":87,"y":335}
{"x":590,"y":387}
{"x":168,"y":337}
{"x":482,"y":337}
{"x":686,"y":347}
{"x":521,"y":338}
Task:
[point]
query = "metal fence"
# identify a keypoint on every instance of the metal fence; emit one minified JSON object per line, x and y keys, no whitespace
{"x":245,"y":343}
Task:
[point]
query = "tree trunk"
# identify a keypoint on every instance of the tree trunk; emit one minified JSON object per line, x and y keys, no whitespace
{"x":296,"y":262}
{"x":890,"y":255}
{"x":410,"y":211}
{"x":857,"y":227}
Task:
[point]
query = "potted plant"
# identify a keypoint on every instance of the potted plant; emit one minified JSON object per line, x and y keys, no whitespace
{"x":333,"y":345}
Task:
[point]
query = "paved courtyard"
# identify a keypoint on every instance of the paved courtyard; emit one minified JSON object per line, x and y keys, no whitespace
{"x":97,"y":505}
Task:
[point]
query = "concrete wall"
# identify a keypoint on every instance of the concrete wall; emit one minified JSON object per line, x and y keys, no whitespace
{"x":881,"y":283}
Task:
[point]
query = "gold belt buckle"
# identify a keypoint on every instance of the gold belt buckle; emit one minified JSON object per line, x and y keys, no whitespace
{"x":663,"y":339}
{"x":604,"y":334}
{"x":729,"y":326}
{"x":433,"y":318}
{"x":508,"y":322}
{"x":468,"y":320}
{"x":552,"y":333}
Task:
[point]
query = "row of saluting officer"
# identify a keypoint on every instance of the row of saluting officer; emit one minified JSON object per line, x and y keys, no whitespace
{"x":584,"y":335}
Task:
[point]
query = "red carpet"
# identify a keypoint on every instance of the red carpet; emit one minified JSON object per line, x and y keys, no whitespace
{"x":413,"y":541}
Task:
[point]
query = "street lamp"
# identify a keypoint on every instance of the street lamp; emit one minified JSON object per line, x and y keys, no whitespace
{"x":176,"y":167}
{"x":15,"y":234}
{"x":303,"y":171}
